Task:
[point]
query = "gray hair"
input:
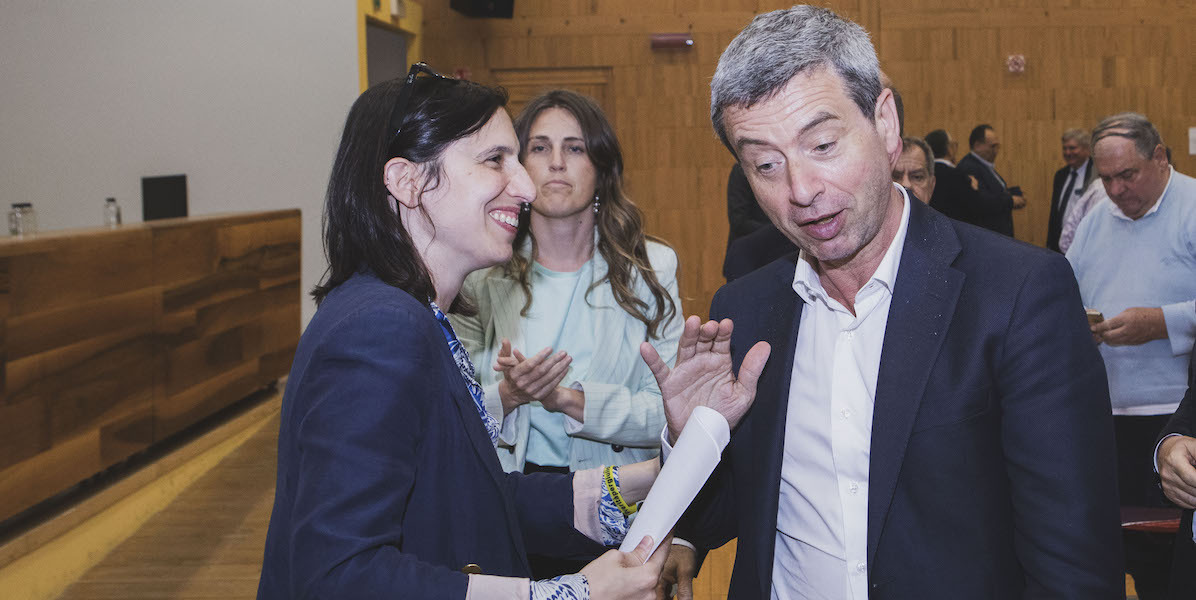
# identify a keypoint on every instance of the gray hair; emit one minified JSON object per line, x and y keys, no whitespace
{"x":778,"y":45}
{"x":909,"y":142}
{"x":1077,"y":135}
{"x":1133,"y":126}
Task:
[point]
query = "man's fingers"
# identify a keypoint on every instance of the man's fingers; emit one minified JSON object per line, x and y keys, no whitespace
{"x":685,"y":588}
{"x":722,"y":337}
{"x":706,"y":335}
{"x":1182,"y":498}
{"x":656,"y":561}
{"x":505,"y":348}
{"x":652,"y":358}
{"x":689,"y":337}
{"x":752,"y":365}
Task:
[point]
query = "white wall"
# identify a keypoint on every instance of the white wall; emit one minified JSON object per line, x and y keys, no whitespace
{"x":245,"y":97}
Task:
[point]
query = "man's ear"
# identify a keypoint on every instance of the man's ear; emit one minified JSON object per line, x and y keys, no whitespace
{"x":401,"y":178}
{"x":887,"y":125}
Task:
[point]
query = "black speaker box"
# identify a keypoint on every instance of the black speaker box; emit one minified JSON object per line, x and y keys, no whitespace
{"x":163,"y":197}
{"x":494,"y":9}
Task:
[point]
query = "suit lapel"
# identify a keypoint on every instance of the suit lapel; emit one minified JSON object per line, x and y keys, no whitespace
{"x":767,"y":432}
{"x":479,"y":439}
{"x":924,"y":299}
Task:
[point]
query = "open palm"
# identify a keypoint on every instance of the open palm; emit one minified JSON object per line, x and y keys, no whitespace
{"x":702,"y":375}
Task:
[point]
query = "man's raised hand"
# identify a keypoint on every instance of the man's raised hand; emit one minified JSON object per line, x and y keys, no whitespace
{"x":703,"y":376}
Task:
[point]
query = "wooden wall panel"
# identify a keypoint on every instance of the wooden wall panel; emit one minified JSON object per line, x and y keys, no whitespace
{"x":1086,"y":59}
{"x":115,"y":339}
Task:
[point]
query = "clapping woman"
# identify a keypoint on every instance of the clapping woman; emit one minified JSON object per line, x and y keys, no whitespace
{"x":562,"y":321}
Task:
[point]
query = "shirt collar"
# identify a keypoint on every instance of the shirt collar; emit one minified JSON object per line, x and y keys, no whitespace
{"x":809,"y":287}
{"x":1120,"y":215}
{"x":1081,"y":172}
{"x":944,"y":161}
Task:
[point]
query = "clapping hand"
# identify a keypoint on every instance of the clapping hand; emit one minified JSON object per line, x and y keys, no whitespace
{"x":702,"y":375}
{"x":529,"y":379}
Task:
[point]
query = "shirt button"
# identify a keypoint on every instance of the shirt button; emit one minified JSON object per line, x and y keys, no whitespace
{"x":850,"y":334}
{"x":846,"y":413}
{"x":860,"y":567}
{"x":853,"y":488}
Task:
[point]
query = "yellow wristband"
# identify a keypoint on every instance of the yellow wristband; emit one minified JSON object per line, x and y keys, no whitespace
{"x":608,"y":479}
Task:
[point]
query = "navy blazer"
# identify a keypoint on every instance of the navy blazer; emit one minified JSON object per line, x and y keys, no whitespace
{"x":387,"y":480}
{"x":994,"y":204}
{"x":992,"y":471}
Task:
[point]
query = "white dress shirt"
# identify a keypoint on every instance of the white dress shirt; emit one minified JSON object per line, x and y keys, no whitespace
{"x":822,"y":521}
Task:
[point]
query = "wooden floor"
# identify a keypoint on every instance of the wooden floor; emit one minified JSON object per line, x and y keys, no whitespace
{"x":208,"y":542}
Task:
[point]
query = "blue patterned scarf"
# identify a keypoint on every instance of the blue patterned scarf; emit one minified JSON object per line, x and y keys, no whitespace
{"x":467,"y":373}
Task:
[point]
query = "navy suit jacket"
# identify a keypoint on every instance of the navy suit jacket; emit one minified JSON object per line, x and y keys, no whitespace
{"x":994,"y":207}
{"x":992,"y":470}
{"x":1059,"y":207}
{"x":953,"y":195}
{"x":387,"y":480}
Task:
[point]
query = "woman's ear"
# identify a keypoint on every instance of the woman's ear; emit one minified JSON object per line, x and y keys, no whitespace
{"x":401,"y":178}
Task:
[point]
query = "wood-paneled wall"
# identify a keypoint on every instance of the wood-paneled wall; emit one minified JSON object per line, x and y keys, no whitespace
{"x":1085,"y":59}
{"x":111,"y":340}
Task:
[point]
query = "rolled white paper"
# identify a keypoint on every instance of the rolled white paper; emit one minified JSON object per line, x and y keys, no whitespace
{"x":698,"y":450}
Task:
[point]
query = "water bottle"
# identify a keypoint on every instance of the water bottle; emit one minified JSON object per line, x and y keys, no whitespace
{"x":22,"y":220}
{"x":111,"y":213}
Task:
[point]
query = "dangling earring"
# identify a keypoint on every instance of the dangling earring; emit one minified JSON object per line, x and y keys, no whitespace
{"x":525,"y":207}
{"x":597,"y":203}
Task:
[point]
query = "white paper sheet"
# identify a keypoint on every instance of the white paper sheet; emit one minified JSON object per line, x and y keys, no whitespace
{"x":694,"y":456}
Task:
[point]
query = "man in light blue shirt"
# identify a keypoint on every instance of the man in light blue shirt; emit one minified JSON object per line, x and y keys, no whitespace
{"x":1134,"y":257}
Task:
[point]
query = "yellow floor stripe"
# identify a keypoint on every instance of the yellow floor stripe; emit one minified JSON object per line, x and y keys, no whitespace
{"x":44,"y":573}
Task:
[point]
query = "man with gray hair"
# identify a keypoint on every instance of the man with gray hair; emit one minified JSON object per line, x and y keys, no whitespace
{"x":1070,"y":182}
{"x":1135,"y":259}
{"x":933,"y":421}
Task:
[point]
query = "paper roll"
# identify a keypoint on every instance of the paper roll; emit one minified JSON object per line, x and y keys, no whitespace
{"x":698,"y":450}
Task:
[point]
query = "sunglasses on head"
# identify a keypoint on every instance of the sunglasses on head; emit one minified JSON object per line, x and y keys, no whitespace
{"x":400,"y":109}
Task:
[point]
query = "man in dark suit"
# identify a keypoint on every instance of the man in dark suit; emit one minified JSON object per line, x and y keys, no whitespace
{"x":1176,"y":461}
{"x":997,"y":200}
{"x":955,"y":193}
{"x":933,"y":421}
{"x":1070,"y":181}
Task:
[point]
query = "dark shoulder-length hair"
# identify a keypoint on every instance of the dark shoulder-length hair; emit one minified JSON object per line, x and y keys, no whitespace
{"x":362,"y":228}
{"x":621,"y":238}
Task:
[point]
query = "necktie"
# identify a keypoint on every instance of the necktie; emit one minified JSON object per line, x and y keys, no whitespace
{"x":1071,"y":182}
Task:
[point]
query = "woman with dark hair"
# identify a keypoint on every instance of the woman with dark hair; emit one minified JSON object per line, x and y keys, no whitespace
{"x":583,"y":279}
{"x":388,"y":480}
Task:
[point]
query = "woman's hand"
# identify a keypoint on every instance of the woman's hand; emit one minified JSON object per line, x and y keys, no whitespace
{"x":624,"y":575}
{"x":528,"y":379}
{"x":702,"y":375}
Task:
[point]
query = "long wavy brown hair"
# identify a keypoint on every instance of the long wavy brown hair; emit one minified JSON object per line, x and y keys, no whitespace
{"x":621,"y":238}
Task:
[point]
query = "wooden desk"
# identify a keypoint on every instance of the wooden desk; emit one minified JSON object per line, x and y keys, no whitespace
{"x":1152,"y":519}
{"x":113,"y":339}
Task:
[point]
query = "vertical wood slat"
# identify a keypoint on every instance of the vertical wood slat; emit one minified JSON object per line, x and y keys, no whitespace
{"x":96,"y":327}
